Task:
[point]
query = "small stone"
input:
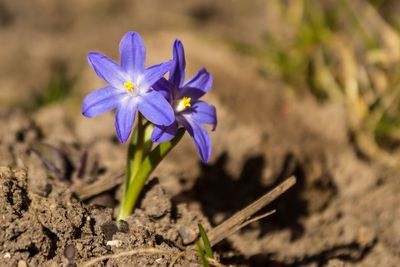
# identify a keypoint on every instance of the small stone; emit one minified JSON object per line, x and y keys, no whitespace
{"x":22,"y":263}
{"x":7,"y":255}
{"x":114,"y":243}
{"x":188,"y":235}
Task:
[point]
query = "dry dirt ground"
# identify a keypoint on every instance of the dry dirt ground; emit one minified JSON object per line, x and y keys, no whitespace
{"x":344,"y":210}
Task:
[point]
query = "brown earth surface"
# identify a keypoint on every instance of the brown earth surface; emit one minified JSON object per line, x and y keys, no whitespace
{"x":343,"y":211}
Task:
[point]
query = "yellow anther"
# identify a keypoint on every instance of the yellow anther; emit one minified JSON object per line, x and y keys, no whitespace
{"x":129,"y":86}
{"x":184,"y":103}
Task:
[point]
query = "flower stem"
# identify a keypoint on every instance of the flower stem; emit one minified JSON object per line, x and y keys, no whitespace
{"x":135,"y":156}
{"x":146,"y":167}
{"x":135,"y":161}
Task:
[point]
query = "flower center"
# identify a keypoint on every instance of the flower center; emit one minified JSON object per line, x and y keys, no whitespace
{"x":183,"y":104}
{"x":129,"y":86}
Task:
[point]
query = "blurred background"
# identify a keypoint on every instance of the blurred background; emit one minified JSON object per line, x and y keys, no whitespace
{"x":336,"y":51}
{"x":305,"y":87}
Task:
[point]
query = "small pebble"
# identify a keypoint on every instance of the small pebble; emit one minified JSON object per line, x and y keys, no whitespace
{"x":188,"y":235}
{"x":7,"y":255}
{"x":114,"y":243}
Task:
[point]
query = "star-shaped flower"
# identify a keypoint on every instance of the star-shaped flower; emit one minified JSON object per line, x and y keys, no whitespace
{"x":190,"y":112}
{"x":129,"y":87}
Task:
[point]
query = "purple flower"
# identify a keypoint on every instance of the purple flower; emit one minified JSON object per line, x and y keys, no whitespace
{"x":190,"y":112}
{"x":129,"y":87}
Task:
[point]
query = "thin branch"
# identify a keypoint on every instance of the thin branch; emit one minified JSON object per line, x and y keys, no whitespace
{"x":229,"y":226}
{"x":255,"y":219}
{"x":124,"y":254}
{"x":98,"y":187}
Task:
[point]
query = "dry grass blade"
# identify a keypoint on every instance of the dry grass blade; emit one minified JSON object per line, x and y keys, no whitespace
{"x":92,"y":262}
{"x":255,"y":219}
{"x":98,"y":187}
{"x":239,"y":219}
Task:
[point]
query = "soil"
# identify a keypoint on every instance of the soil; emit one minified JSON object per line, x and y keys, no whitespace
{"x":52,"y":227}
{"x":343,"y":211}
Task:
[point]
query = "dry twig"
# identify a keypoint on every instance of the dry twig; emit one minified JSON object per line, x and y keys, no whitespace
{"x":125,"y":253}
{"x":242,"y":218}
{"x":98,"y":187}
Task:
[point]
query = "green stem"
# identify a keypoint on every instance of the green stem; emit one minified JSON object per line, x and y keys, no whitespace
{"x":135,"y":161}
{"x":134,"y":158}
{"x":147,"y":166}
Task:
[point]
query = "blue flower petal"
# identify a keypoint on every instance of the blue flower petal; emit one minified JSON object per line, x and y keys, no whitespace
{"x":193,"y":93}
{"x":133,"y":54}
{"x":177,"y":74}
{"x":124,"y":118}
{"x":203,"y":113}
{"x":154,"y":73}
{"x":107,"y":69}
{"x":200,"y":137}
{"x":101,"y":100}
{"x":165,"y":88}
{"x":163,"y":134}
{"x":202,"y":80}
{"x":156,"y":109}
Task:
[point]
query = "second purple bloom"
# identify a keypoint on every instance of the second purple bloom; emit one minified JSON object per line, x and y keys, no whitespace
{"x":190,"y":112}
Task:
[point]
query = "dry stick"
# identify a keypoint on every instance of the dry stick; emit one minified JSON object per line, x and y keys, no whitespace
{"x":125,"y":253}
{"x":254,"y":220}
{"x":98,"y":187}
{"x":238,"y":220}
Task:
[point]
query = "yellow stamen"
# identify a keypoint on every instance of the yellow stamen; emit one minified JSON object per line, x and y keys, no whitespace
{"x":184,"y":103}
{"x":129,"y":86}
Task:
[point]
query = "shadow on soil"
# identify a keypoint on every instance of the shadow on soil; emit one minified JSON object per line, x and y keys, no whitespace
{"x":221,"y":193}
